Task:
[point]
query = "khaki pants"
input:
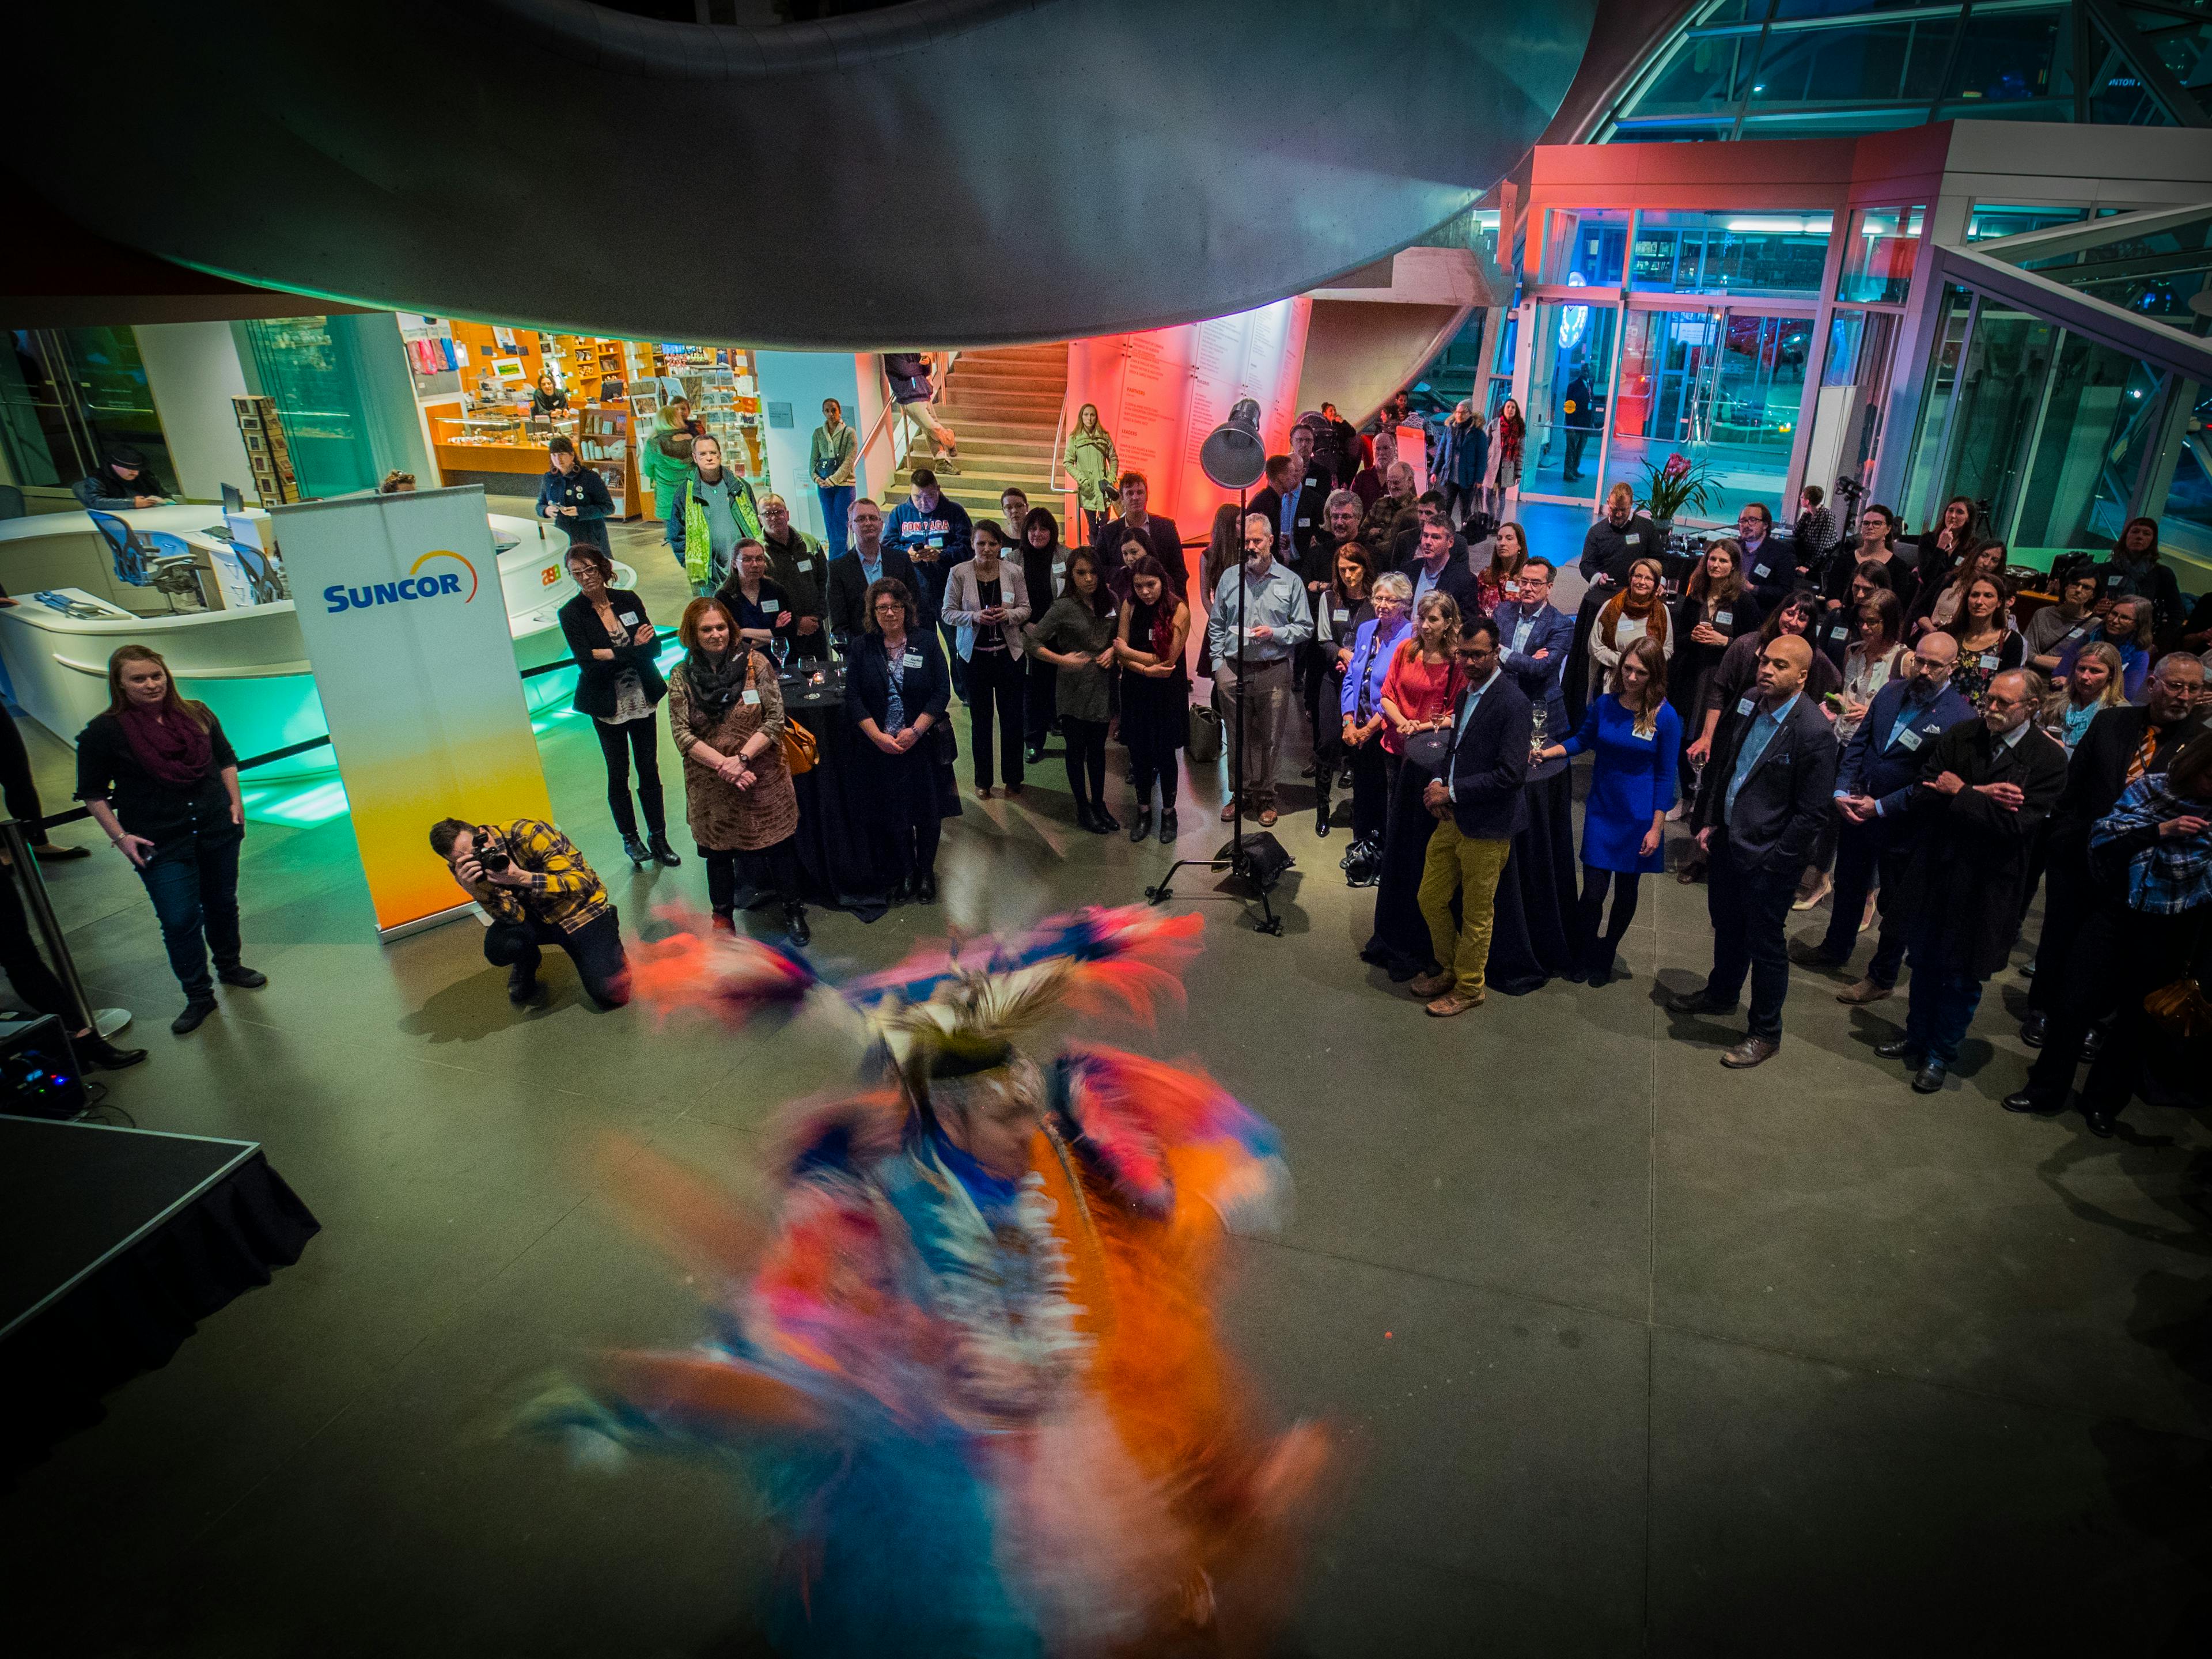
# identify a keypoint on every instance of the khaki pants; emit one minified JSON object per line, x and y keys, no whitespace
{"x":1265,"y":693}
{"x":1470,"y":864}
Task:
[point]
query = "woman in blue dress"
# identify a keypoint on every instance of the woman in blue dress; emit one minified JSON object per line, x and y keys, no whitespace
{"x":1634,"y":734}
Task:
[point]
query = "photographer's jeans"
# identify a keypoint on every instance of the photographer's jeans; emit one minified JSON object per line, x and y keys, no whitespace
{"x":193,"y":882}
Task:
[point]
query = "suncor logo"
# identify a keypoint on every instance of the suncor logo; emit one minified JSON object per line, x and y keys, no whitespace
{"x":415,"y":585}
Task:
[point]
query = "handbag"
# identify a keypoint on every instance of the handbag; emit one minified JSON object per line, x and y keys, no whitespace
{"x":1429,"y":749}
{"x":1203,"y":743}
{"x":800,"y":751}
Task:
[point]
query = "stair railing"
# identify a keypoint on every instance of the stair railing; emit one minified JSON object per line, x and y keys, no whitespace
{"x":940,"y":366}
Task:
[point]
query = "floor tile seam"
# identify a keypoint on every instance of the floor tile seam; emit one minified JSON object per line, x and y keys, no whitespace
{"x":1972,"y":1391}
{"x":1656,"y":1327}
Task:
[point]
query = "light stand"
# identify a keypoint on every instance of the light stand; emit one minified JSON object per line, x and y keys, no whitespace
{"x":1233,"y":457}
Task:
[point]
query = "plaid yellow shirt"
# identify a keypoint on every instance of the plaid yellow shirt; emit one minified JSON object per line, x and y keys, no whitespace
{"x":563,"y":891}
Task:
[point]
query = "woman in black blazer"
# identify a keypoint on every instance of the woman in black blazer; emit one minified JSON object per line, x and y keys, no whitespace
{"x":618,"y":685}
{"x":894,"y":651}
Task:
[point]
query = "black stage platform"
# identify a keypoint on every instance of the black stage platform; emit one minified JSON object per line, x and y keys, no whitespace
{"x":113,"y":1244}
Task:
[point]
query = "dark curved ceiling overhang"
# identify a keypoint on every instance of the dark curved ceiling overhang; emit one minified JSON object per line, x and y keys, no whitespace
{"x":940,"y":172}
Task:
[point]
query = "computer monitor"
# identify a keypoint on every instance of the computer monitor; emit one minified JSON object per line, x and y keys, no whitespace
{"x":234,"y":499}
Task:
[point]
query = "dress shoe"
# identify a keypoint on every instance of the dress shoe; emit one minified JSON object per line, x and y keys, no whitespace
{"x":245,"y":978}
{"x":1929,"y":1079}
{"x":97,"y":1053}
{"x":635,"y":851}
{"x":195,"y":1012}
{"x":2028,"y":1105}
{"x":1810,"y":898}
{"x":1752,"y":1051}
{"x":1863,"y":992}
{"x":1267,"y":818}
{"x":1692,"y":871}
{"x":2093,"y":1044}
{"x":2101,"y":1123}
{"x":1321,"y":823}
{"x":47,"y":852}
{"x":1426,"y":986}
{"x":522,"y":985}
{"x":795,"y":925}
{"x":1898,"y":1048}
{"x":1229,"y":809}
{"x":2031,"y":1030}
{"x":1450,"y":1003}
{"x":1013,"y":792}
{"x":1141,"y":825}
{"x":663,"y":853}
{"x":1169,"y":827}
{"x":925,"y":887}
{"x":1084,"y":819}
{"x":1103,"y":821}
{"x":1806,"y":954}
{"x":1033,"y":753}
{"x":1696,"y":1002}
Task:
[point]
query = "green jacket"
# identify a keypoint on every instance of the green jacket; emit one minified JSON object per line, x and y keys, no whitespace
{"x":1091,"y":458}
{"x":688,"y":532}
{"x":663,"y":471}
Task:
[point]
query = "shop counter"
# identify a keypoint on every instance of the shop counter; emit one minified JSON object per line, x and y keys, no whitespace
{"x":246,"y":663}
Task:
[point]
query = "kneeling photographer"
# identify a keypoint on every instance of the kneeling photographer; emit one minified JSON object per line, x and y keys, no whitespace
{"x":539,"y":891}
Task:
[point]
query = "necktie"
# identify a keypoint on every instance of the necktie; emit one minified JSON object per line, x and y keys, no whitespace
{"x":2145,"y":752}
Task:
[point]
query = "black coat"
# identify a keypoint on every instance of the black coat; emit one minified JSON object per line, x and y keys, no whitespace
{"x":848,"y":589}
{"x":596,"y":676}
{"x":1968,"y":878}
{"x":1785,"y":570}
{"x":2098,"y":773}
{"x":1456,"y":579}
{"x":1785,"y":802}
{"x":925,"y":685}
{"x":1488,"y":762}
{"x":1608,"y":552}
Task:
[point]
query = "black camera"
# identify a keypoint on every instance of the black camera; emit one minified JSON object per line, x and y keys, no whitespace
{"x":494,"y":862}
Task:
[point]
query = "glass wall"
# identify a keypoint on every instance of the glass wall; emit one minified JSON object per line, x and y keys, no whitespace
{"x":305,"y":370}
{"x":1772,"y":69}
{"x":1879,"y":256}
{"x":1723,"y":252}
{"x":67,"y":396}
{"x":1585,"y":247}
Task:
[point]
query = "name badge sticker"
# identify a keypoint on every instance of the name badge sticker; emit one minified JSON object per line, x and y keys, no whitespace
{"x":1743,"y":707}
{"x":1909,"y":738}
{"x":911,"y":659}
{"x":1305,"y":524}
{"x":1722,"y":618}
{"x":1990,"y":660}
{"x":1652,"y":736}
{"x":751,"y":696}
{"x":769,"y":607}
{"x":1637,"y":540}
{"x":1760,"y":570}
{"x":1837,"y":632}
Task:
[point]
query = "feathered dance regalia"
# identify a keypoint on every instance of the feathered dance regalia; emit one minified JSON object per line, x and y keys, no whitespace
{"x":972,"y":1367}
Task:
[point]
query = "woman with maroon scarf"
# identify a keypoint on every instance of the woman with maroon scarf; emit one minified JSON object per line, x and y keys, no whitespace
{"x":158,"y":774}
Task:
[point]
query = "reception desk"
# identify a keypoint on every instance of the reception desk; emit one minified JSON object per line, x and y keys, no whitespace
{"x":245,"y":662}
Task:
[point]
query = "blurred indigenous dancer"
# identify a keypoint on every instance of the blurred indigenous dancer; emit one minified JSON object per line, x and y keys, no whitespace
{"x":971,"y":1368}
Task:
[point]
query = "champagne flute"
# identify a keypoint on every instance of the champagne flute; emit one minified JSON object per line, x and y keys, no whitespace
{"x":780,"y":648}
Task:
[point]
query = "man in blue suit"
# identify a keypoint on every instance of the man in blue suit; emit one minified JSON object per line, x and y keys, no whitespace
{"x":1761,"y":801}
{"x":1476,"y":800}
{"x":1874,"y":785}
{"x":1534,"y":640}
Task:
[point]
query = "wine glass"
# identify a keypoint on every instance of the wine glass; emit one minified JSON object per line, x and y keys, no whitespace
{"x":780,"y":648}
{"x":1538,"y":720}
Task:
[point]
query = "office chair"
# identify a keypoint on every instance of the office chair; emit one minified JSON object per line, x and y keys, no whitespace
{"x":263,"y":573}
{"x":152,"y":559}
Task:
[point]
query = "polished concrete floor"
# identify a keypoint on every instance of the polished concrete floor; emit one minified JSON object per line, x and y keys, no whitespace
{"x":1627,"y":1352}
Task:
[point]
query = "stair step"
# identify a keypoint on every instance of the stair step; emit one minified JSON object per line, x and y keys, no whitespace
{"x":978,"y":429}
{"x":1005,"y":403}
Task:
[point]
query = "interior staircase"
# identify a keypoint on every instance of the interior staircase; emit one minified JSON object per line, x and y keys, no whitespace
{"x":1003,"y":405}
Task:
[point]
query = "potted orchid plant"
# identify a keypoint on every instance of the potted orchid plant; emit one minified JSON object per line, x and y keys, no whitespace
{"x":1674,"y":485}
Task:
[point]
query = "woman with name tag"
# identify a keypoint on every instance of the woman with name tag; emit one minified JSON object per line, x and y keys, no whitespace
{"x":2055,"y":634}
{"x":617,"y":685}
{"x":1634,"y":733}
{"x":2087,"y":692}
{"x":1939,"y":603}
{"x":1988,"y":645}
{"x":1373,"y":648}
{"x":1639,"y":610}
{"x":725,"y":715}
{"x":1716,"y":610}
{"x":1839,"y":628}
{"x":1074,"y":640}
{"x":1419,"y":693}
{"x":1509,"y":551}
{"x":986,"y":604}
{"x":897,"y":686}
{"x":1044,"y":573}
{"x":759,"y":605}
{"x":1339,"y":608}
{"x":2128,"y":628}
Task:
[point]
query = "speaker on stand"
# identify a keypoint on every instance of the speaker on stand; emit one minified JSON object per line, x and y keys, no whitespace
{"x":1234,"y":458}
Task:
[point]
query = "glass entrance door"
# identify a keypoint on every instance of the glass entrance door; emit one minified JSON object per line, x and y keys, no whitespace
{"x":1663,"y":402}
{"x":68,"y":395}
{"x":1848,"y":410}
{"x":1747,"y":425}
{"x":1570,"y":377}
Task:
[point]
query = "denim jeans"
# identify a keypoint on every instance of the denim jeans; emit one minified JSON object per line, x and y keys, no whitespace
{"x":596,"y":948}
{"x":1944,"y":997}
{"x":193,"y":882}
{"x":836,"y":504}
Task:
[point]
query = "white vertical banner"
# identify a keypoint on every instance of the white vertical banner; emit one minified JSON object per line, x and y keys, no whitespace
{"x":400,"y":605}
